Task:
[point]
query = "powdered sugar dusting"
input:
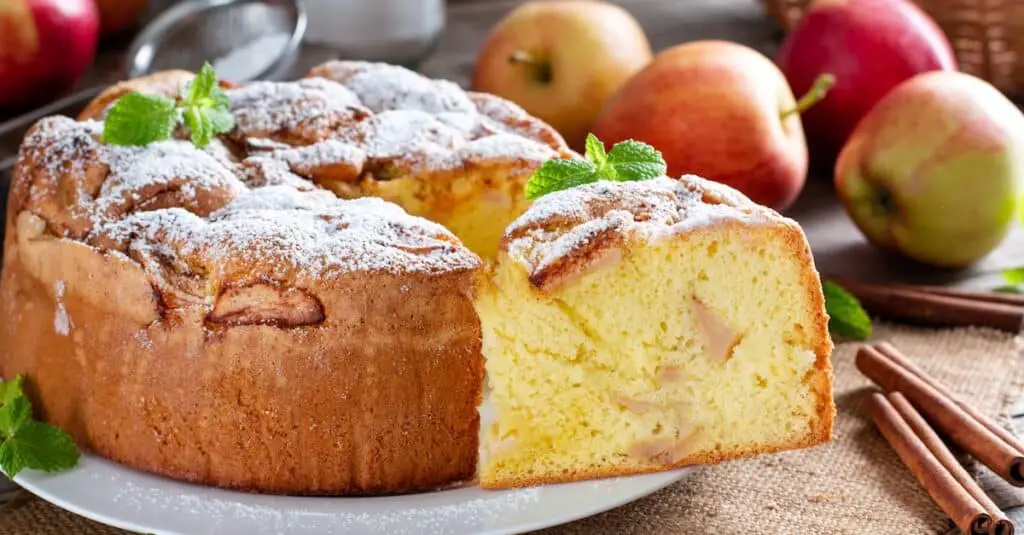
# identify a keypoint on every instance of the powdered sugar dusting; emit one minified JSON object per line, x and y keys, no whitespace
{"x":565,"y":221}
{"x":61,"y":321}
{"x":133,"y":170}
{"x":272,"y":106}
{"x":328,"y":152}
{"x":383,"y":87}
{"x":503,"y":147}
{"x":431,"y":119}
{"x":298,"y":232}
{"x":171,"y":201}
{"x":394,"y":134}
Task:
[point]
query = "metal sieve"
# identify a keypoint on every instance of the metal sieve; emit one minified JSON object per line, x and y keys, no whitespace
{"x":244,"y":39}
{"x":263,"y":35}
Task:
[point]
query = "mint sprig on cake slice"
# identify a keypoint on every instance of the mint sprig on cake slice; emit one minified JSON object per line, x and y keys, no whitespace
{"x":628,"y":160}
{"x":635,"y":160}
{"x":26,"y":443}
{"x":137,"y":119}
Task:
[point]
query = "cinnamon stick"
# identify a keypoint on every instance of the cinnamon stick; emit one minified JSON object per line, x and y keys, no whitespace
{"x":894,"y":355}
{"x":986,"y":445}
{"x":999,"y":522}
{"x":975,"y":295}
{"x":927,"y":458}
{"x":914,"y":305}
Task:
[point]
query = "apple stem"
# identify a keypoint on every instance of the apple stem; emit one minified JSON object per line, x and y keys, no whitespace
{"x":821,"y":86}
{"x":541,"y":68}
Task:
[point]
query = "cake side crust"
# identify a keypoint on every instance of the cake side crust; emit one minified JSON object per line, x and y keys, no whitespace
{"x":379,"y":398}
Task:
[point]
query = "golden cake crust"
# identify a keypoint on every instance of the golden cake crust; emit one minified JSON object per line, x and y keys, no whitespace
{"x":567,"y":234}
{"x":212,"y":316}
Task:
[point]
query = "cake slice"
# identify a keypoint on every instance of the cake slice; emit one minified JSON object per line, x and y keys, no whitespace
{"x":633,"y":327}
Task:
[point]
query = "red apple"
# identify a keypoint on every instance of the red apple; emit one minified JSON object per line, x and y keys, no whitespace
{"x":45,"y":46}
{"x":870,"y":47}
{"x":561,"y":60}
{"x":118,"y":15}
{"x":719,"y":110}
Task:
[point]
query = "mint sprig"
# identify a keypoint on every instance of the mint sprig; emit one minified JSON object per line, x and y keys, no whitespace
{"x":847,"y":318}
{"x":26,"y":443}
{"x":137,"y":119}
{"x":628,"y":160}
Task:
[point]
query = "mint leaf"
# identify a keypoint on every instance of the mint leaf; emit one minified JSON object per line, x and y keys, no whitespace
{"x":201,"y":86}
{"x":10,"y":459}
{"x":199,"y":125}
{"x":556,"y":175}
{"x":204,"y":108}
{"x":38,"y":446}
{"x":1014,"y":276}
{"x":595,"y":152}
{"x":628,"y":160}
{"x":847,"y":318}
{"x":221,"y":120}
{"x":137,"y":119}
{"x":207,"y":109}
{"x":13,"y":415}
{"x":10,"y":389}
{"x":633,"y":160}
{"x":25,"y":443}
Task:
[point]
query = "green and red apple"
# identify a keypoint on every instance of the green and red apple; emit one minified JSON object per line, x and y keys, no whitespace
{"x":719,"y":110}
{"x":934,"y":170}
{"x":561,"y":60}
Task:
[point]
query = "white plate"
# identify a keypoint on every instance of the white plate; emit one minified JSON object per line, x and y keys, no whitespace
{"x":129,"y":499}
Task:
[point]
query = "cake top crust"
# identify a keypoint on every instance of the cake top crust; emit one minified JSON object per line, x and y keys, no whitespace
{"x":249,"y":205}
{"x":199,"y":212}
{"x":565,"y":232}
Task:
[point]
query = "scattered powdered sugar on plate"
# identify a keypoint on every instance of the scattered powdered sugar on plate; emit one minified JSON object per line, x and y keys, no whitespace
{"x":220,"y":514}
{"x":145,"y":503}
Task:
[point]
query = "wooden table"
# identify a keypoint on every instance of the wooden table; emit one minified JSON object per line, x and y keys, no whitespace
{"x":839,"y":248}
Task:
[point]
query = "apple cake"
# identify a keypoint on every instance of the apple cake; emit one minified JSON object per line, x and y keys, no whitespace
{"x":458,"y":158}
{"x":213,"y":316}
{"x":631,"y":327}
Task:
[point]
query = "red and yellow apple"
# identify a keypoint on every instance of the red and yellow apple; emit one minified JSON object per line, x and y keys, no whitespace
{"x":561,"y":60}
{"x":934,"y":170}
{"x":45,"y":46}
{"x":719,"y":110}
{"x":870,"y":47}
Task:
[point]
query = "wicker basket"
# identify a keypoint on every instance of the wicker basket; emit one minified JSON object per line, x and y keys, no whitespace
{"x":987,"y":35}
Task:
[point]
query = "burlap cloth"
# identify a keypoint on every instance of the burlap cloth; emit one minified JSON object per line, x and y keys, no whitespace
{"x":856,"y":484}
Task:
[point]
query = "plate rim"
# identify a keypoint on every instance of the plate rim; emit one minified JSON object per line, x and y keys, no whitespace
{"x":39,"y":489}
